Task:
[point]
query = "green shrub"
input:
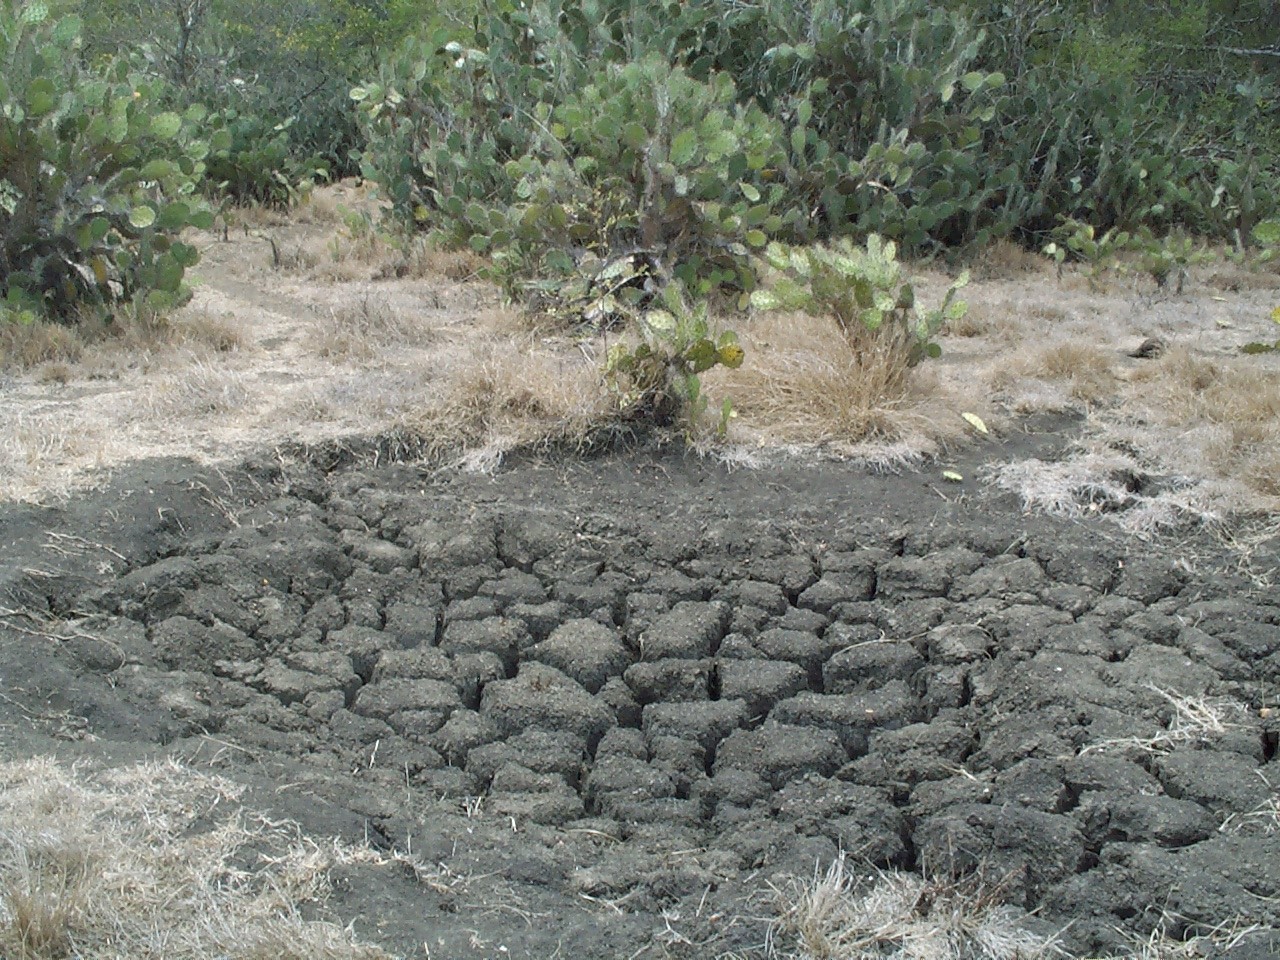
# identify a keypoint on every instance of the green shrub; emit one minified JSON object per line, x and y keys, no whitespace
{"x":658,"y":379}
{"x":647,"y":160}
{"x":862,"y":289}
{"x":96,"y":178}
{"x":258,"y":163}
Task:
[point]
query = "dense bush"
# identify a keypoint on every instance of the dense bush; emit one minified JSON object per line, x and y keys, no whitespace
{"x":97,"y":179}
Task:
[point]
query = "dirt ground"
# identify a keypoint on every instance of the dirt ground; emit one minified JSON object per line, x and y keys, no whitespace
{"x":637,"y":703}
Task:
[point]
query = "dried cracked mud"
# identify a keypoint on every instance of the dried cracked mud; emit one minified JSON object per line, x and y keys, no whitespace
{"x":610,"y":705}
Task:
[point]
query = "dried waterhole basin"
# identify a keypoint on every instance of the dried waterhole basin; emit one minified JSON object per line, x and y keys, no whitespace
{"x":610,"y":706}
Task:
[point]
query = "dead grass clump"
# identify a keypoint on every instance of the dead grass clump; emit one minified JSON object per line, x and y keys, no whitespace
{"x":423,"y":258}
{"x":806,"y":381}
{"x":1064,"y":373}
{"x":362,"y":329}
{"x":26,"y":345}
{"x":1232,"y":405}
{"x":157,"y":860}
{"x":1006,"y":260}
{"x":195,"y":389}
{"x":1193,"y":720}
{"x":507,"y":396}
{"x":903,"y":916}
{"x":201,"y":327}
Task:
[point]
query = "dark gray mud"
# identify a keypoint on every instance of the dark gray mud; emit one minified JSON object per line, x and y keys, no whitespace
{"x":609,"y":704}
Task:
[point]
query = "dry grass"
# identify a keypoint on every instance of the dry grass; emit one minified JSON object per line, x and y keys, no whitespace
{"x":1234,"y":404}
{"x":841,"y":916}
{"x":805,"y":381}
{"x":504,"y":395}
{"x":1215,"y":942}
{"x":364,"y":328}
{"x":1194,"y":720}
{"x":158,"y":861}
{"x":1006,"y":260}
{"x":1079,"y":372}
{"x":133,"y":328}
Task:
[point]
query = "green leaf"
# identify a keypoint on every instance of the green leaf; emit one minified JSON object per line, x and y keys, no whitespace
{"x":142,"y":216}
{"x":750,"y":192}
{"x":684,"y":147}
{"x":731,"y":355}
{"x":662,"y":322}
{"x":756,"y":238}
{"x":166,"y":126}
{"x":702,"y":356}
{"x":41,"y":97}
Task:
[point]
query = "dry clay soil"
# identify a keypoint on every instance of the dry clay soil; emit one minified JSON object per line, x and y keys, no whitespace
{"x":612,"y":704}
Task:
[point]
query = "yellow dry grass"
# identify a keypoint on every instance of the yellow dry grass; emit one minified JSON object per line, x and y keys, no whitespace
{"x":841,"y":915}
{"x":806,"y":381}
{"x":159,"y":861}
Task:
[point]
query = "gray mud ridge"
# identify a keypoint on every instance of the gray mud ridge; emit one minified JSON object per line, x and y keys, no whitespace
{"x":604,"y":706}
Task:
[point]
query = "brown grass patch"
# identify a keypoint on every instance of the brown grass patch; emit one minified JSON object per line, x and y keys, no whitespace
{"x":889,"y":913}
{"x":506,"y":395}
{"x":1006,"y":260}
{"x":365,"y":328}
{"x":1081,"y":372}
{"x":26,"y":345}
{"x":1230,"y":406}
{"x":806,"y":381}
{"x":116,"y":864}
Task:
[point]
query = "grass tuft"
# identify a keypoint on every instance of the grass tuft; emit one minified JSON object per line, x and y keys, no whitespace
{"x":158,"y":860}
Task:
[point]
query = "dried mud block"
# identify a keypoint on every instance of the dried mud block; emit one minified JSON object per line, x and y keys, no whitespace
{"x":381,"y":556}
{"x":691,"y":630}
{"x":853,"y":816}
{"x":1006,"y":578}
{"x":1042,"y":848}
{"x":1224,"y":783}
{"x":412,"y":707}
{"x":1035,"y":783}
{"x":705,"y":723}
{"x":541,"y":619}
{"x":586,"y":651}
{"x":305,"y":674}
{"x":1168,"y":668}
{"x":807,"y":650}
{"x":184,"y":643}
{"x":542,"y":752}
{"x":870,"y":664}
{"x":512,"y":587}
{"x":779,"y":752}
{"x":618,"y":779}
{"x":922,"y":751}
{"x":671,"y":680}
{"x":907,"y":578}
{"x":606,"y":592}
{"x":851,"y":716}
{"x":1116,"y":817}
{"x":542,"y":697}
{"x":501,"y":636}
{"x":1148,"y":579}
{"x":959,"y":643}
{"x":525,"y":538}
{"x":414,"y":622}
{"x":760,"y":683}
{"x":768,"y":597}
{"x":464,"y":731}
